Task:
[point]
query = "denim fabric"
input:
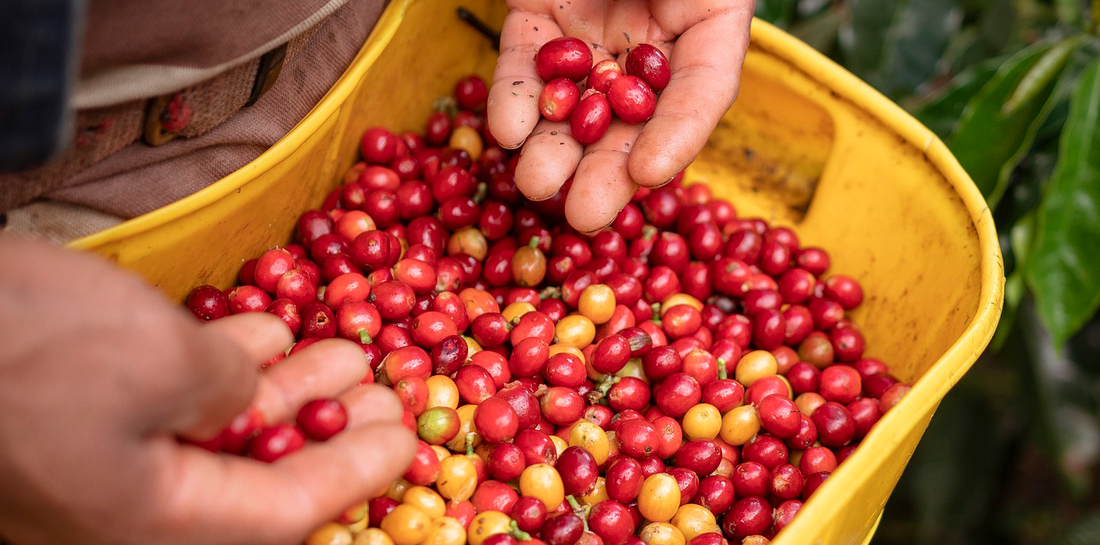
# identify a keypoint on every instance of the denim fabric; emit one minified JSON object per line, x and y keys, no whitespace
{"x":38,"y":59}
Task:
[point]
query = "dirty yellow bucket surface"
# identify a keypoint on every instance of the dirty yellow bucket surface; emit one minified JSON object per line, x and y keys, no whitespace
{"x":806,"y":145}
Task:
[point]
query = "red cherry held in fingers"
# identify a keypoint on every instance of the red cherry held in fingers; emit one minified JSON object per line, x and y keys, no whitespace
{"x":603,"y":74}
{"x":558,"y":99}
{"x":276,"y":441}
{"x":320,"y":419}
{"x":650,"y":64}
{"x":631,"y":99}
{"x":591,"y":118}
{"x":564,"y":57}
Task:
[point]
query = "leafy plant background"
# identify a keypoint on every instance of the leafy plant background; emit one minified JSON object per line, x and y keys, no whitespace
{"x":1013,"y":88}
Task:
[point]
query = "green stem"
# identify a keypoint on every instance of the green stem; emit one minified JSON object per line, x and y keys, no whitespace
{"x":470,"y":443}
{"x":481,"y":193}
{"x":364,"y":337}
{"x":514,"y":531}
{"x":550,"y":292}
{"x":722,"y":369}
{"x":579,"y":510}
{"x":534,"y":242}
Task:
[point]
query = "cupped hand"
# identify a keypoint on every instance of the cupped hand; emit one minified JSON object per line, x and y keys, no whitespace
{"x":705,"y":42}
{"x":99,"y":375}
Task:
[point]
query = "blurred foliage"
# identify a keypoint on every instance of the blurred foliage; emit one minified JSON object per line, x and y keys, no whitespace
{"x":1013,"y":88}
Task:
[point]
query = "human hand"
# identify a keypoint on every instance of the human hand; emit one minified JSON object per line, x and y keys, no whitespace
{"x":99,"y":375}
{"x":705,"y":42}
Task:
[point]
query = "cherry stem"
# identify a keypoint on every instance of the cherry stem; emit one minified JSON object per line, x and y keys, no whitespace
{"x":534,"y":242}
{"x":482,"y":192}
{"x":470,"y":443}
{"x":601,"y":390}
{"x":550,"y":293}
{"x":579,"y":510}
{"x":514,"y":531}
{"x":722,"y":368}
{"x":364,"y":337}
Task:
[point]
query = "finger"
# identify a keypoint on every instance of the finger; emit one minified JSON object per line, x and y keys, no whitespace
{"x":225,"y":499}
{"x":370,"y":404}
{"x":259,"y":334}
{"x":514,"y":96}
{"x":325,"y":369}
{"x":548,"y":160}
{"x":602,"y":186}
{"x":706,"y":72}
{"x":228,"y":352}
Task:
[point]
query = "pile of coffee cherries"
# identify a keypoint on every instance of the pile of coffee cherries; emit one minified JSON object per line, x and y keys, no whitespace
{"x":565,"y":62}
{"x":684,"y":376}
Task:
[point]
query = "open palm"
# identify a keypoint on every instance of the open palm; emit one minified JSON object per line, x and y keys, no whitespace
{"x":705,"y":42}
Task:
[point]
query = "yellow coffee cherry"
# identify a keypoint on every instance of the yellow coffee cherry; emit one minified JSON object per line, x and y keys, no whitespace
{"x":559,"y":444}
{"x":516,"y":310}
{"x":372,"y":536}
{"x":592,"y":438}
{"x":597,"y":494}
{"x":467,"y":138}
{"x":466,"y":426}
{"x":575,"y":330}
{"x":446,"y":531}
{"x":680,"y":299}
{"x":659,"y":498}
{"x":692,"y":520}
{"x":703,"y":421}
{"x":740,"y":425}
{"x":457,"y":478}
{"x":597,"y":302}
{"x":440,"y":452}
{"x":397,"y":489}
{"x":330,"y":534}
{"x":485,"y":524}
{"x":754,"y":366}
{"x":425,"y":499}
{"x":442,"y":392}
{"x":406,"y":525}
{"x":662,"y":533}
{"x":543,"y":482}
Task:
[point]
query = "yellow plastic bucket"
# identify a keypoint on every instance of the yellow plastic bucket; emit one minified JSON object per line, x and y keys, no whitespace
{"x":807,"y":145}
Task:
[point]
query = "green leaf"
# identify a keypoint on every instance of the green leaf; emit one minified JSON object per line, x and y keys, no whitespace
{"x":989,"y":142}
{"x":1040,"y":76}
{"x":777,"y":12}
{"x":1063,"y":270}
{"x":942,"y":114}
{"x":1065,"y":403}
{"x":915,"y":42}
